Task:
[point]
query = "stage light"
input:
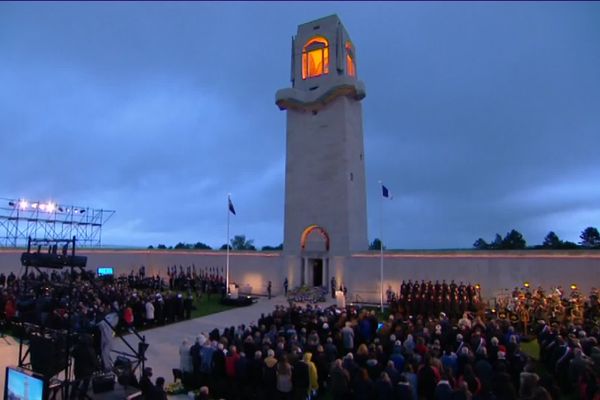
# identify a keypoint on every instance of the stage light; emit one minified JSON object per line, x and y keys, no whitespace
{"x":34,"y":205}
{"x":50,"y":207}
{"x":573,"y":286}
{"x":478,"y":286}
{"x":11,"y":203}
{"x":60,"y":209}
{"x":526,"y":284}
{"x":23,"y":204}
{"x":82,"y":211}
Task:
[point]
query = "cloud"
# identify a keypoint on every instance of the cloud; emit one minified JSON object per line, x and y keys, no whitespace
{"x":479,"y":118}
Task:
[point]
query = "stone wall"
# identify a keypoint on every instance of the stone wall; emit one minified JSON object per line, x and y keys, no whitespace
{"x":248,"y":269}
{"x":495,"y":271}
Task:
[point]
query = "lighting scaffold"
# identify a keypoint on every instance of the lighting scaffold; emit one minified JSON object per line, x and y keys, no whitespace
{"x":21,"y":219}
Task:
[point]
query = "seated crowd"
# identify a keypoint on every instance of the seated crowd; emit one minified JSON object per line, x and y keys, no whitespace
{"x":305,"y":352}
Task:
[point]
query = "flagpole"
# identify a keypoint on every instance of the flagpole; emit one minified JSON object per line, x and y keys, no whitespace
{"x":381,"y":247}
{"x":227,"y":245}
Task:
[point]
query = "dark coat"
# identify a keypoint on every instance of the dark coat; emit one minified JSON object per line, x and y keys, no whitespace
{"x":300,"y":378}
{"x":86,"y":361}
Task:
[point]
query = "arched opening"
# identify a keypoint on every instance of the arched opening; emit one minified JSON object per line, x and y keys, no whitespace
{"x":314,"y":243}
{"x":350,"y":66}
{"x":315,"y":57}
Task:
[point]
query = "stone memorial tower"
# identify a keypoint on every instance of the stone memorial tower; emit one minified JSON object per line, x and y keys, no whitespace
{"x":325,"y":199}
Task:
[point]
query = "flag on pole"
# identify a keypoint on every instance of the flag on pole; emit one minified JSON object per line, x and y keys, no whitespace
{"x":385,"y":192}
{"x":231,"y":209}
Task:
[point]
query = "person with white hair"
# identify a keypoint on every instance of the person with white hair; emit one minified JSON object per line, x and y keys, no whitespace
{"x":348,"y":336}
{"x":107,"y":331}
{"x":185,"y":358}
{"x":149,"y":311}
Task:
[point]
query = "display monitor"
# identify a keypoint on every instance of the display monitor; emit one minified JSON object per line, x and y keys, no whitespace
{"x":105,"y":271}
{"x":22,"y":384}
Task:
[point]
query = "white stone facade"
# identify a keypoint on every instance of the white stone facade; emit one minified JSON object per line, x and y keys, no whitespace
{"x":325,"y":162}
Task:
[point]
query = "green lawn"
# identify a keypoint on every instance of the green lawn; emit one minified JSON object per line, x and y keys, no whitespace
{"x":204,"y":306}
{"x":532,"y":349}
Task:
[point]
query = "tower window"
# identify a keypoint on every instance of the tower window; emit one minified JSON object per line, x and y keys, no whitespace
{"x":315,"y":57}
{"x":350,"y":66}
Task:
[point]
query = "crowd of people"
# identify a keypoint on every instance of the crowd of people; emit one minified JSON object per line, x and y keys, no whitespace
{"x":57,"y":300}
{"x":439,"y":340}
{"x":92,"y":308}
{"x":300,"y":352}
{"x":526,"y":304}
{"x":430,"y":299}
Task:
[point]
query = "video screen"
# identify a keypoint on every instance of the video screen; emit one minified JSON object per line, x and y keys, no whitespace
{"x":23,"y":385}
{"x":105,"y":271}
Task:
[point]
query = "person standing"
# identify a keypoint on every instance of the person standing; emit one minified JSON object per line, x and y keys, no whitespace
{"x":348,"y":337}
{"x":269,"y":289}
{"x":333,"y":285}
{"x":188,"y":306}
{"x":107,"y":327}
{"x":158,"y":392}
{"x":149,"y":312}
{"x":146,"y":385}
{"x":284,"y":379}
{"x":86,"y":363}
{"x":285,"y":286}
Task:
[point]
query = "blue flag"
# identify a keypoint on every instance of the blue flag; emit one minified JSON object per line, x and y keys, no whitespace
{"x":231,"y":209}
{"x":385,"y":191}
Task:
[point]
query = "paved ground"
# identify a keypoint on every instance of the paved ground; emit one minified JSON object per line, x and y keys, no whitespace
{"x":163,"y":352}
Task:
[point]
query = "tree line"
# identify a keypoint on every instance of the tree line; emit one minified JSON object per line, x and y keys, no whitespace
{"x":514,"y":240}
{"x":239,"y":242}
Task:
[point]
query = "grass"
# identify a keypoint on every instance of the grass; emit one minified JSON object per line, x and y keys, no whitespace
{"x":205,"y":306}
{"x":532,"y":349}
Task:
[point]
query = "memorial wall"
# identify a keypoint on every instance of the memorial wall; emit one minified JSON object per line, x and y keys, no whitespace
{"x":494,"y":271}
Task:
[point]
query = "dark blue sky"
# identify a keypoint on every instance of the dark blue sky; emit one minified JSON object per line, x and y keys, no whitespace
{"x":479,"y":117}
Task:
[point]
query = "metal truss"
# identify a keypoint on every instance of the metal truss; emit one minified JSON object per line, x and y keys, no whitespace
{"x":21,"y":219}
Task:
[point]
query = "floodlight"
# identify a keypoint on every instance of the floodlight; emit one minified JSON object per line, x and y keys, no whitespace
{"x":82,"y":211}
{"x":34,"y":205}
{"x":11,"y":203}
{"x":23,"y":204}
{"x":50,"y":207}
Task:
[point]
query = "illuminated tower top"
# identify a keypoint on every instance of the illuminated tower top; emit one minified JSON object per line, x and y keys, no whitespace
{"x":323,"y":66}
